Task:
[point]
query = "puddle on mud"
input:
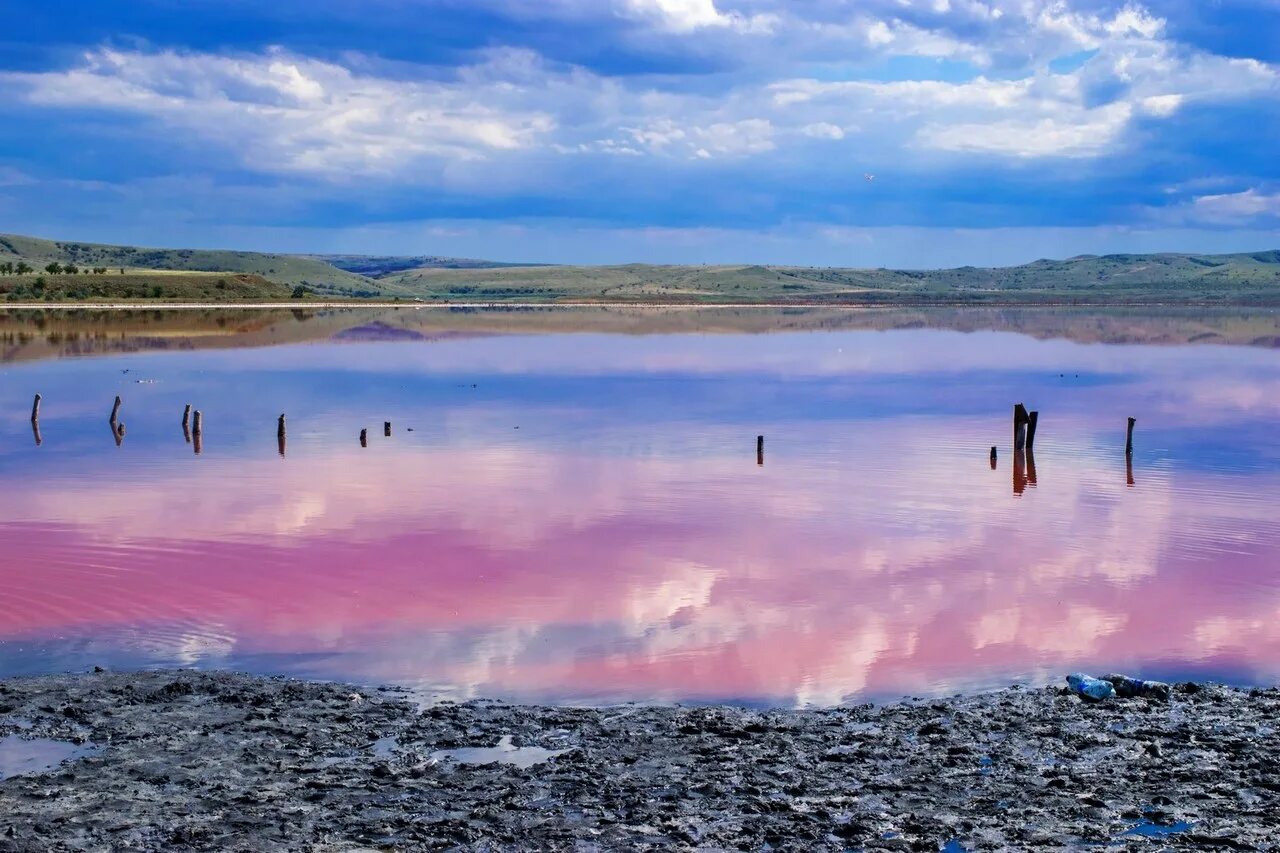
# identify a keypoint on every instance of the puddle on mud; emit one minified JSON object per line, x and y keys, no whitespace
{"x":1147,"y":829}
{"x":504,"y":753}
{"x":24,"y":756}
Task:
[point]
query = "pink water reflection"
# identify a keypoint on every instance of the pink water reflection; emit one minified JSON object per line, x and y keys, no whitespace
{"x":533,"y":571}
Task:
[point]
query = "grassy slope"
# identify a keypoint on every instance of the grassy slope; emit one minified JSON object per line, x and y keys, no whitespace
{"x":153,"y":286}
{"x":282,"y":269}
{"x":1245,"y":278}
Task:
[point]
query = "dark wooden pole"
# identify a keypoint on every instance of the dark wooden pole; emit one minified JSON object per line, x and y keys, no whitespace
{"x":386,"y":429}
{"x":35,"y":430}
{"x":1128,"y":442}
{"x":364,"y":438}
{"x":186,"y":416}
{"x":1020,"y":418}
{"x":35,"y":410}
{"x":759,"y":449}
{"x":117,"y":429}
{"x":280,"y":427}
{"x":1032,"y":419}
{"x":197,"y":423}
{"x":995,"y":455}
{"x":115,"y":412}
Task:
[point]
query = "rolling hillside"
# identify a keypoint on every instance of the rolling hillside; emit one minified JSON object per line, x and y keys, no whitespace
{"x":290,"y":270}
{"x":1240,"y":279}
{"x":1120,"y":279}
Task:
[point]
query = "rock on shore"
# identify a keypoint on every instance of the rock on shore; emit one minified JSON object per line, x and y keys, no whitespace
{"x":215,"y":761}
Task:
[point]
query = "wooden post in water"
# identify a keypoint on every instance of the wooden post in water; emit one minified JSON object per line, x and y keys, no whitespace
{"x":386,"y":429}
{"x":1020,"y":419}
{"x":35,"y":410}
{"x":1032,"y":419}
{"x":115,"y":412}
{"x":197,"y":430}
{"x":35,"y":430}
{"x":1128,"y":442}
{"x":995,"y":455}
{"x":1128,"y":465}
{"x":280,"y":431}
{"x":280,"y":436}
{"x":186,"y":416}
{"x":759,"y":449}
{"x":1031,"y":465}
{"x":117,"y":429}
{"x":364,"y":438}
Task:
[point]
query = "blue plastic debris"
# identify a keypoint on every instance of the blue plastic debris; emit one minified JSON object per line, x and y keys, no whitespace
{"x":1088,"y":687}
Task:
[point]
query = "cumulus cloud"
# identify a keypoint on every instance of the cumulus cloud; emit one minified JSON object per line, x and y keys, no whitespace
{"x":773,"y":97}
{"x":295,"y":114}
{"x":1235,"y":207}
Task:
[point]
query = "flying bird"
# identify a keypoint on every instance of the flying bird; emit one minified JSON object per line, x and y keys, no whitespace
{"x":868,"y":177}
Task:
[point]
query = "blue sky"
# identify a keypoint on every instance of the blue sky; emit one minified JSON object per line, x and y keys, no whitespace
{"x":611,"y":131}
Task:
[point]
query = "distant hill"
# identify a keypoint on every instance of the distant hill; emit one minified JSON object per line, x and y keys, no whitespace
{"x":1239,"y":279}
{"x":1111,"y":279}
{"x":290,"y":270}
{"x":379,"y":266}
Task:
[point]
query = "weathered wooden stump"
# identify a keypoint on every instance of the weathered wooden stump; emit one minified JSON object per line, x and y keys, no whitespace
{"x":117,"y":430}
{"x":759,"y":449}
{"x":1033,"y":419}
{"x":364,"y":438}
{"x":386,"y":429}
{"x":280,"y":430}
{"x":1020,"y":420}
{"x":995,"y":456}
{"x":35,"y":410}
{"x":197,"y":423}
{"x":1128,"y":442}
{"x":115,"y":412}
{"x":186,"y":416}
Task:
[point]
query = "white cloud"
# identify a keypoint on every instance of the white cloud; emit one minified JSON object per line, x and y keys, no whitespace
{"x":685,"y":16}
{"x":502,"y":119}
{"x":294,"y":114}
{"x":1236,"y":207}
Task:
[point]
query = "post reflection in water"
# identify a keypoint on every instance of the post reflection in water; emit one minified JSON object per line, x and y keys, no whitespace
{"x":617,"y":547}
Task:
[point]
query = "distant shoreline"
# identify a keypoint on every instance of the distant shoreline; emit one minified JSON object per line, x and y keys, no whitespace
{"x":898,"y":304}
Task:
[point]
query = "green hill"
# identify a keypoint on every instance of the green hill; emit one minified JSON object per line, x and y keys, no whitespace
{"x":290,"y":270}
{"x":1111,"y":279}
{"x":1240,"y":279}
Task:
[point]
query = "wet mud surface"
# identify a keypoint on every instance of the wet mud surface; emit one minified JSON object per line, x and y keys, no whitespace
{"x":214,"y":761}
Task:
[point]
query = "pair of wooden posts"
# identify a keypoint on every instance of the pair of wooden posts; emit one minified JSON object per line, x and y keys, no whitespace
{"x":193,"y":428}
{"x":364,"y":433}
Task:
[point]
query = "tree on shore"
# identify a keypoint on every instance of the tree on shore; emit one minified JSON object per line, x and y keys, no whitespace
{"x":24,"y":268}
{"x":53,"y":268}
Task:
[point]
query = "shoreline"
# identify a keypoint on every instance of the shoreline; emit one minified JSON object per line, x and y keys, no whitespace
{"x":859,"y":306}
{"x":185,"y":760}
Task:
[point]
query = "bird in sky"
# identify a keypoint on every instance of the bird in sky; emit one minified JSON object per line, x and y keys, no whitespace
{"x":868,"y":177}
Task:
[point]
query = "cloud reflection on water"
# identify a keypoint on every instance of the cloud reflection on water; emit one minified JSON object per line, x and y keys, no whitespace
{"x":596,"y":556}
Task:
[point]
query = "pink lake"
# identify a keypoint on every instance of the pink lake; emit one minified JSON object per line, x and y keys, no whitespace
{"x":580,"y":516}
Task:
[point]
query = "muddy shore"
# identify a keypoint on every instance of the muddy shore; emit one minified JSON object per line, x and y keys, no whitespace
{"x":214,"y":761}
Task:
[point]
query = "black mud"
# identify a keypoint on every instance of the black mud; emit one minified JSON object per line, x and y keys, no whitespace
{"x":196,"y":761}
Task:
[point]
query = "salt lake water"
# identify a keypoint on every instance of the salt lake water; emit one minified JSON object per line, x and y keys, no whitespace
{"x":570,"y":506}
